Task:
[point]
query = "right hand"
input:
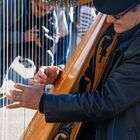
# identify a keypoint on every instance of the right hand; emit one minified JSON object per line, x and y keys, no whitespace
{"x":47,"y":74}
{"x":32,"y":36}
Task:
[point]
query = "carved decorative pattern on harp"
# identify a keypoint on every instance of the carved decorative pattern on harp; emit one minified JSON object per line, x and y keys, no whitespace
{"x":90,"y":78}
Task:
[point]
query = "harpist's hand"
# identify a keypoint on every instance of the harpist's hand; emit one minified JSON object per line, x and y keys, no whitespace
{"x":47,"y":74}
{"x":25,"y":96}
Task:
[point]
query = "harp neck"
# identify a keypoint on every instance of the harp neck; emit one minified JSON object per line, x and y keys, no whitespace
{"x":72,"y":2}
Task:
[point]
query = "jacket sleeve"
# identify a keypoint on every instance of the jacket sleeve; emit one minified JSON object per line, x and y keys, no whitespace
{"x":120,"y":92}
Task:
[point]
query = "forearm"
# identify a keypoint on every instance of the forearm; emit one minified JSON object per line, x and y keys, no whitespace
{"x":119,"y":93}
{"x":83,"y":107}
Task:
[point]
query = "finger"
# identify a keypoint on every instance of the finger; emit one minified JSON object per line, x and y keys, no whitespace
{"x":37,"y":78}
{"x":37,"y":42}
{"x":14,"y":98}
{"x":40,"y":85}
{"x":48,"y":70}
{"x":57,"y":69}
{"x":31,"y":82}
{"x":36,"y":83}
{"x":20,"y":86}
{"x":16,"y":92}
{"x":14,"y":105}
{"x":35,"y":34}
{"x":35,"y":30}
{"x":15,"y":95}
{"x":52,"y":70}
{"x":9,"y":96}
{"x":43,"y":82}
{"x":42,"y":74}
{"x":33,"y":37}
{"x":51,"y":75}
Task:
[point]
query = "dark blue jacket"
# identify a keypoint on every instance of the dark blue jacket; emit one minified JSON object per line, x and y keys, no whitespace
{"x":115,"y":106}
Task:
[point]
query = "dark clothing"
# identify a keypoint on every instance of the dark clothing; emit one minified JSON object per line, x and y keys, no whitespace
{"x":114,"y":7}
{"x":17,"y":18}
{"x":114,"y":107}
{"x":30,"y":50}
{"x":25,"y":22}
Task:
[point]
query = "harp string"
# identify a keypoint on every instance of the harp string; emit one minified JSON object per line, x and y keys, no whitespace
{"x":13,"y":122}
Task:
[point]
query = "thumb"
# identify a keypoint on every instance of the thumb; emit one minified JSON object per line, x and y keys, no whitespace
{"x":52,"y":70}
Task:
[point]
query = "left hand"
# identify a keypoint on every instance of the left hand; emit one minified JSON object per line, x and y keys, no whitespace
{"x":31,"y":35}
{"x":25,"y":96}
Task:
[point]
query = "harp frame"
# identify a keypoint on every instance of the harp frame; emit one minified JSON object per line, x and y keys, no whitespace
{"x":68,"y":83}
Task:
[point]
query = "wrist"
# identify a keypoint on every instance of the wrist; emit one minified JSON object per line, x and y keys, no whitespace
{"x":41,"y":104}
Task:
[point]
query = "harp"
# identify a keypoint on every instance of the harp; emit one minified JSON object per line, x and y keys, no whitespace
{"x":68,"y":82}
{"x":74,"y":69}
